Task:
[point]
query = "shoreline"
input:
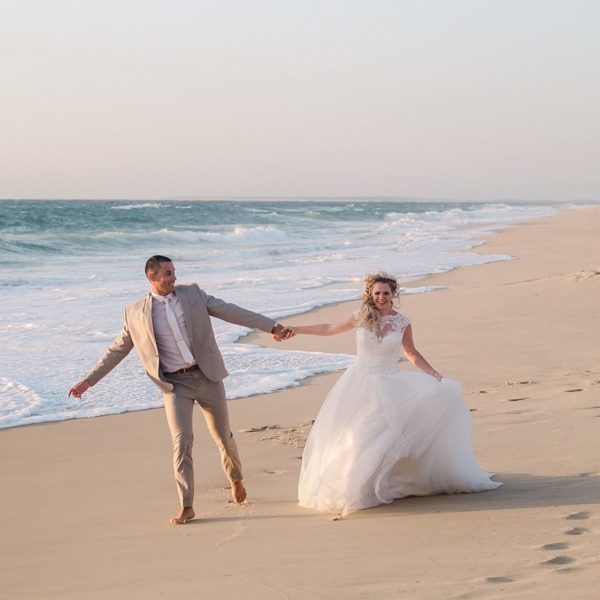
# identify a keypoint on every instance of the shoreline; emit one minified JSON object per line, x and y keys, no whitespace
{"x":32,"y":399}
{"x":88,"y":500}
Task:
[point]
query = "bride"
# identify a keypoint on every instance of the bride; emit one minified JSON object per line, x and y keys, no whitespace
{"x":383,"y":433}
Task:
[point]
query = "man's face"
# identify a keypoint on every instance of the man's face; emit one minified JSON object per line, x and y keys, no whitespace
{"x":163,"y":282}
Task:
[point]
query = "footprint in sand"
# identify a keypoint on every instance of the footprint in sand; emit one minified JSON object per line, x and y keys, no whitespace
{"x":498,"y":579}
{"x":267,"y":472}
{"x":574,"y":390}
{"x":568,"y":570}
{"x":576,"y":531}
{"x":555,"y":546}
{"x":258,"y":429}
{"x":516,"y":399}
{"x":559,"y":560}
{"x":578,"y":516}
{"x":579,"y":275}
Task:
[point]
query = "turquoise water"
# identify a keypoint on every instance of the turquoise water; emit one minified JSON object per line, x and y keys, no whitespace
{"x":68,"y":268}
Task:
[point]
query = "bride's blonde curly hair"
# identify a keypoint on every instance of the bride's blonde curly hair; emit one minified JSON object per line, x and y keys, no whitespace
{"x":368,"y":315}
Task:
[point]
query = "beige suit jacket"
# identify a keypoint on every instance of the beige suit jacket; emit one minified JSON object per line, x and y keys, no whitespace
{"x":198,"y":306}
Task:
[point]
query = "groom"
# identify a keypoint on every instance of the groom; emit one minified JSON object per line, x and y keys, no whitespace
{"x":171,"y":331}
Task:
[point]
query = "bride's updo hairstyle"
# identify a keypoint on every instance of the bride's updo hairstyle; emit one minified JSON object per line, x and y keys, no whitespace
{"x":368,"y":315}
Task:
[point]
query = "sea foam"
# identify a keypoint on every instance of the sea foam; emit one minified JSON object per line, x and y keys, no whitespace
{"x":70,"y":268}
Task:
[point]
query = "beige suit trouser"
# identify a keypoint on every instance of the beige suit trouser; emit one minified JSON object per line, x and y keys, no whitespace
{"x":179,"y":405}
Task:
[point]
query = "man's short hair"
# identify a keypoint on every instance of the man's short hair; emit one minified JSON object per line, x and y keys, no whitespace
{"x":153,"y":263}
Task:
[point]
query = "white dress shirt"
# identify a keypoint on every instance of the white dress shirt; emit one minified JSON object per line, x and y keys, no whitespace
{"x":169,"y":354}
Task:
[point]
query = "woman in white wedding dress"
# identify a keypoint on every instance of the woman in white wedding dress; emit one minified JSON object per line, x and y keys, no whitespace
{"x":383,"y":433}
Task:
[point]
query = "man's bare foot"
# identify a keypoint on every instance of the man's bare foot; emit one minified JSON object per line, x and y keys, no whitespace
{"x":238,"y":491}
{"x":183,"y":516}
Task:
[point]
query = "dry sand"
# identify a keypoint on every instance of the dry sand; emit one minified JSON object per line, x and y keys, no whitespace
{"x":84,"y":504}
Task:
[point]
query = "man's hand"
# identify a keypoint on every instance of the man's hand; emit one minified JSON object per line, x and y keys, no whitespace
{"x":79,"y":388}
{"x":280,"y":332}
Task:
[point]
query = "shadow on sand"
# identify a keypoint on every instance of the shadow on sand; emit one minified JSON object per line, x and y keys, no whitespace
{"x":519,"y":490}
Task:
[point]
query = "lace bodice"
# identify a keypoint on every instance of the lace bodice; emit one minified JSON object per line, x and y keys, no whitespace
{"x":381,"y":350}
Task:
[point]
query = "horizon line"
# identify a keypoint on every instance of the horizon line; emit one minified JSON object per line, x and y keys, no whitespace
{"x":202,"y":198}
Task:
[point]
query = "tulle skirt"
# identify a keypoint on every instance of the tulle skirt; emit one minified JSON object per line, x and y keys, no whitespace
{"x":386,"y":435}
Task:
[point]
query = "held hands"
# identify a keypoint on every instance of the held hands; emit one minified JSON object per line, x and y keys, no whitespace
{"x":281,"y":332}
{"x":79,"y":388}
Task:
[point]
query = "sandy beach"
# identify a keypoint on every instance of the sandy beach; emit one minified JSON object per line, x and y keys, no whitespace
{"x":85,"y":504}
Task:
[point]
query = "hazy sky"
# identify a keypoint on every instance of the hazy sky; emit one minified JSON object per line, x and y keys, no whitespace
{"x":465,"y":99}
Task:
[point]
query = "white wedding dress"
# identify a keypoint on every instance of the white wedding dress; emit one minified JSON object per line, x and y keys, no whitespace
{"x":383,"y":433}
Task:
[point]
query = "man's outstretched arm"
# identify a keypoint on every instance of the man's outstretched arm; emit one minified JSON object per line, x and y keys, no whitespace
{"x":115,"y":353}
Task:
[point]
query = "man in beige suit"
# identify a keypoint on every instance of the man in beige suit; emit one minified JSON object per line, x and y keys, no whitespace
{"x":171,"y":331}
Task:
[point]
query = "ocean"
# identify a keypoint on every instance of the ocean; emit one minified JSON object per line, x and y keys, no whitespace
{"x":68,"y":269}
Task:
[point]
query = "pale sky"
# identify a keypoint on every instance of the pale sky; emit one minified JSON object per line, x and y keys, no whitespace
{"x":462,"y":99}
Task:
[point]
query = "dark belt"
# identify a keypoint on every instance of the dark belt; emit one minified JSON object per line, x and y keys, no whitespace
{"x":184,"y":370}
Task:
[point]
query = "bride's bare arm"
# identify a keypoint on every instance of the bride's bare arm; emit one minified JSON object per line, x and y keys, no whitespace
{"x":415,"y":357}
{"x":326,"y":328}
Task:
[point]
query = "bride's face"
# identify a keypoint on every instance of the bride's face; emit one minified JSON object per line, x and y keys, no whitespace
{"x":382,"y":296}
